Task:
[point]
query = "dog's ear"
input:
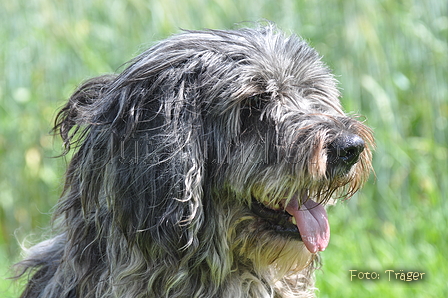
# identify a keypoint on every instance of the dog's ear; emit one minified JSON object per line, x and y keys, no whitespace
{"x":158,"y":165}
{"x":76,"y":117}
{"x":140,"y":151}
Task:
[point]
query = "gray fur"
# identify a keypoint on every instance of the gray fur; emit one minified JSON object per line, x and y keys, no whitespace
{"x":168,"y":157}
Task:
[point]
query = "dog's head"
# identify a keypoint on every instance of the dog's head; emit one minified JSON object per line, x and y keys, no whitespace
{"x":213,"y":137}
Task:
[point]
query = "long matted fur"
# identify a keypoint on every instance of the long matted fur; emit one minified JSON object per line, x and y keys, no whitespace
{"x":194,"y":170}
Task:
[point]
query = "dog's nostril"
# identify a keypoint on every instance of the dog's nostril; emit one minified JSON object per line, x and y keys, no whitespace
{"x":346,"y":149}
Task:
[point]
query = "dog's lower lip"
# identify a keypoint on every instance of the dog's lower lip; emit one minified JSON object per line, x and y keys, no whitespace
{"x":277,"y":220}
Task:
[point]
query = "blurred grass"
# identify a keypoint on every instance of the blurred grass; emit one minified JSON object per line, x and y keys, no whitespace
{"x":391,"y":59}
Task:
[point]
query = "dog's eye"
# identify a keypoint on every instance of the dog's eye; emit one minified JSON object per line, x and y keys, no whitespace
{"x":254,"y":105}
{"x":251,"y":111}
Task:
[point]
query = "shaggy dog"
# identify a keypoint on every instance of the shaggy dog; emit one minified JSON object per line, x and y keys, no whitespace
{"x":201,"y":170}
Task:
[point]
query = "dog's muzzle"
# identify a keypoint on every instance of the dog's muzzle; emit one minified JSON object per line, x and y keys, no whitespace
{"x":300,"y":217}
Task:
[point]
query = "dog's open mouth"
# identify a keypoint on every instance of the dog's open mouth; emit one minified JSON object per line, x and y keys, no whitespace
{"x":307,"y":221}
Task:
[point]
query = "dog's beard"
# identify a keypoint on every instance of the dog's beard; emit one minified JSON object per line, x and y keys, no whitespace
{"x":284,"y":232}
{"x":270,"y":249}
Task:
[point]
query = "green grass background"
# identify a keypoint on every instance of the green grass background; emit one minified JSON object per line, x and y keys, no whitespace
{"x":389,"y":55}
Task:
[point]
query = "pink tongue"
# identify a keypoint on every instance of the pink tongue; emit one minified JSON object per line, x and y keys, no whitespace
{"x":312,"y":222}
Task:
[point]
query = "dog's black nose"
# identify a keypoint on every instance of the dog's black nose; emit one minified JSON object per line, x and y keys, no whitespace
{"x":345,"y":150}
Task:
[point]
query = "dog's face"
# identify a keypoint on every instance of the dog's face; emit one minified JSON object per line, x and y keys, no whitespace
{"x":286,"y":148}
{"x":216,"y":147}
{"x":296,"y":150}
{"x":295,"y":153}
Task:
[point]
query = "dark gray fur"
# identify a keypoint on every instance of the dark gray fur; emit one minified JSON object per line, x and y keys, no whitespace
{"x":168,"y":156}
